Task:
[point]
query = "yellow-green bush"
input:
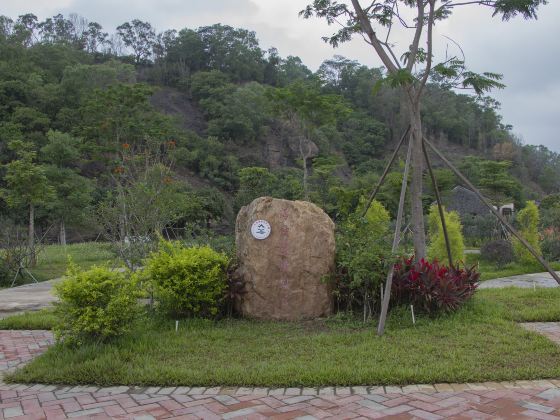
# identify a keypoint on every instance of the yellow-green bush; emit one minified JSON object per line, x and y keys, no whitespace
{"x":378,"y":218}
{"x":96,"y":304}
{"x":528,"y":221}
{"x":436,"y":248}
{"x":187,"y":281}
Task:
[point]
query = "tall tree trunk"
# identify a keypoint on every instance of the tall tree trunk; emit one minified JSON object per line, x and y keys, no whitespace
{"x":31,"y":236}
{"x":305,"y":170}
{"x":417,"y":216}
{"x":62,"y":233}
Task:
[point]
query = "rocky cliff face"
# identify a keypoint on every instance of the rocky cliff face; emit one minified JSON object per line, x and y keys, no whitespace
{"x":279,"y":146}
{"x":284,"y":145}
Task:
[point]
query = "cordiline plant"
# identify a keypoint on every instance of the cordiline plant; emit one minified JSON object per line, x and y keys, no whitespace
{"x":432,"y":287}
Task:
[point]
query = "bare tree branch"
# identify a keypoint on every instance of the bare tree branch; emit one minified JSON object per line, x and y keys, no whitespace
{"x":368,"y":29}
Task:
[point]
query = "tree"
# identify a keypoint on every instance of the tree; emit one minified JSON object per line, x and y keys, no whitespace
{"x":24,"y":29}
{"x":145,"y":199}
{"x":254,"y":182}
{"x":377,"y":23}
{"x":140,"y":36}
{"x":305,"y":108}
{"x":233,"y":51}
{"x":292,"y":69}
{"x":185,"y":55}
{"x":61,"y":149}
{"x":94,"y":37}
{"x":437,"y":248}
{"x":211,"y":89}
{"x":121,"y":116}
{"x":27,"y":187}
{"x":72,"y":192}
{"x":163,"y":42}
{"x":71,"y":200}
{"x":363,"y":137}
{"x":446,"y":181}
{"x":336,"y":72}
{"x":57,"y":30}
{"x":242,"y":114}
{"x":81,"y":79}
{"x":528,"y":221}
{"x":493,"y":178}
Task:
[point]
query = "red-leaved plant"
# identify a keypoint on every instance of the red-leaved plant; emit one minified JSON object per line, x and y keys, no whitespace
{"x":431,"y":286}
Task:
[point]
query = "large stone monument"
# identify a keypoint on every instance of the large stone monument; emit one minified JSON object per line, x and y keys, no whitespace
{"x":285,"y":249}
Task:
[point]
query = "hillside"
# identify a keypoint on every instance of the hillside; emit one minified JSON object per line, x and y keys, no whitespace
{"x":206,"y":120}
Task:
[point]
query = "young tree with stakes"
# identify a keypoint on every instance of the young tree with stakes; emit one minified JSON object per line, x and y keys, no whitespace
{"x":410,"y":70}
{"x":27,"y":187}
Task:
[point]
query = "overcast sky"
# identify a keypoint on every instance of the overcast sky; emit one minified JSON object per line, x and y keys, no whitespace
{"x":525,"y":52}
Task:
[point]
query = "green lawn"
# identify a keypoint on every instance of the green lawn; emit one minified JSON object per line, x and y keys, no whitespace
{"x":490,"y":271}
{"x":53,"y":259}
{"x":39,"y":320}
{"x":524,"y":305}
{"x":482,"y":342}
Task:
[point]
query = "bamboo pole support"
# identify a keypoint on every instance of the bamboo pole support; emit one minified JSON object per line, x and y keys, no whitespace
{"x":385,"y":172}
{"x":396,"y":241}
{"x":439,"y":204}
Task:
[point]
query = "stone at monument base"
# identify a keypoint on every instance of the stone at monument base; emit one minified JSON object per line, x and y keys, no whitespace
{"x":284,"y":274}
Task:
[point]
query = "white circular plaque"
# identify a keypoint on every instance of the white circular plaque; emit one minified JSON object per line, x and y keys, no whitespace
{"x":260,"y":229}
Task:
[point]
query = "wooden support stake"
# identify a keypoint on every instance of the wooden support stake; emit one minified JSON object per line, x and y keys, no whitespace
{"x":396,"y":241}
{"x":513,"y":231}
{"x":439,"y":204}
{"x":385,"y":172}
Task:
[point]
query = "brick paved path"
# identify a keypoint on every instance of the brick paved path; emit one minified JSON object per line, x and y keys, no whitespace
{"x":521,"y":399}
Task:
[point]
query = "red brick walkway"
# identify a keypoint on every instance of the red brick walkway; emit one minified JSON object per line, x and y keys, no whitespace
{"x":521,"y":399}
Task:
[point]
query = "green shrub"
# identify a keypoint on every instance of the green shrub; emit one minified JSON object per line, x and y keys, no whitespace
{"x":479,"y":229}
{"x":254,"y":182}
{"x":437,"y":248}
{"x":378,"y":218}
{"x":95,"y":305}
{"x":362,"y":249}
{"x":187,"y":281}
{"x":528,"y":222}
{"x":5,"y":273}
{"x":498,"y":252}
{"x":551,"y":244}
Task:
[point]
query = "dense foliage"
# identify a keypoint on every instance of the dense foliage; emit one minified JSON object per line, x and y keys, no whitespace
{"x":5,"y":272}
{"x":437,"y":248}
{"x":362,"y":251}
{"x":528,"y":221}
{"x":500,"y":252}
{"x":79,"y":106}
{"x":187,"y":281}
{"x":95,"y":305}
{"x":550,"y":243}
